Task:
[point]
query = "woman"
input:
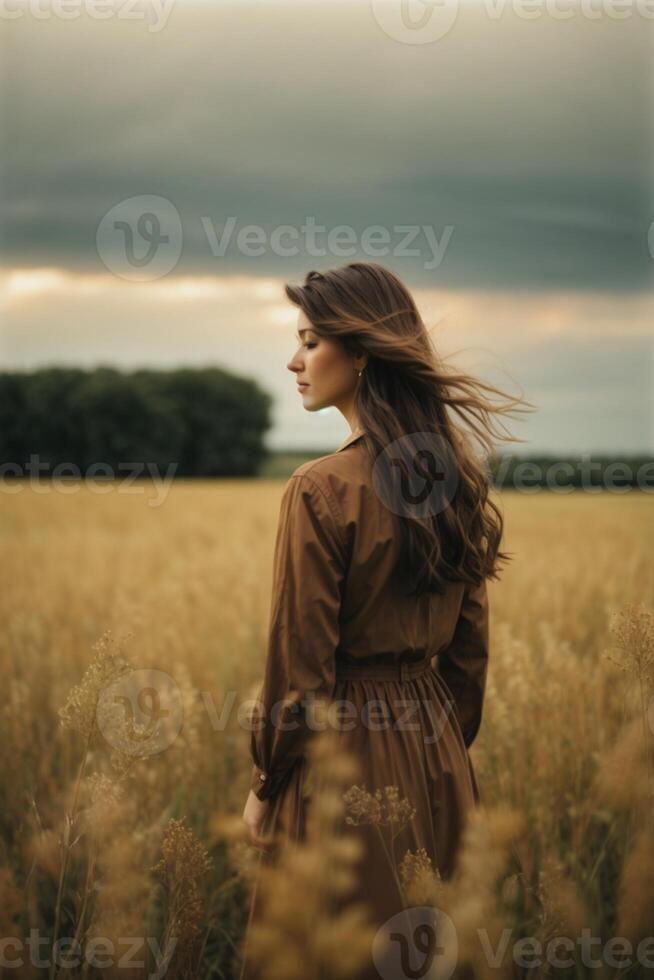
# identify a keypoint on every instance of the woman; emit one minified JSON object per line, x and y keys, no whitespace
{"x":381,"y":559}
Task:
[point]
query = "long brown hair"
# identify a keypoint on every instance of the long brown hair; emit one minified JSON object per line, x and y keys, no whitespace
{"x":407,"y":390}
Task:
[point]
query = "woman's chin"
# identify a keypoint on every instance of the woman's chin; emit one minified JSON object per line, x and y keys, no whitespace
{"x":311,"y":404}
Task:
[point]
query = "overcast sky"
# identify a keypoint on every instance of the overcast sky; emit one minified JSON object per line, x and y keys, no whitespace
{"x":517,"y":152}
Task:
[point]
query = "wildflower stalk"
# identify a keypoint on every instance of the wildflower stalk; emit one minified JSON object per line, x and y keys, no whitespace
{"x":390,"y":857}
{"x":648,"y":752}
{"x":90,"y":868}
{"x":393,"y":813}
{"x":80,"y":714}
{"x":183,"y":864}
{"x":632,"y":630}
{"x":66,"y":846}
{"x":291,"y":940}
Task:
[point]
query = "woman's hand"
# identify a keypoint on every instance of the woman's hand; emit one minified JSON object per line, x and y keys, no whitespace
{"x":254,"y":815}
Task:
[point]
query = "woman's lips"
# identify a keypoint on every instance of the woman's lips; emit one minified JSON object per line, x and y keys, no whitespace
{"x":302,"y":385}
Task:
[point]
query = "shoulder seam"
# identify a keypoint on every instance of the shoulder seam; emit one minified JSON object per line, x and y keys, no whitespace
{"x":333,"y":507}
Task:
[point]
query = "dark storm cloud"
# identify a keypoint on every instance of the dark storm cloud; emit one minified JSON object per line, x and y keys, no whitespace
{"x":529,"y":139}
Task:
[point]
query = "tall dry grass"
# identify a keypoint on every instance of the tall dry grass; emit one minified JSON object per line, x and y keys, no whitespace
{"x":100,"y":843}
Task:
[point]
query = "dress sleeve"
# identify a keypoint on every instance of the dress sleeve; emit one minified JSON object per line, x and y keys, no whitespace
{"x":304,"y":629}
{"x":463,"y":664}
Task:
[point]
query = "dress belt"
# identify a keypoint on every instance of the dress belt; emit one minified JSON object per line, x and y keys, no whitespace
{"x":401,"y":671}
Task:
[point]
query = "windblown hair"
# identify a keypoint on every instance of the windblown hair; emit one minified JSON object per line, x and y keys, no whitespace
{"x":407,"y":391}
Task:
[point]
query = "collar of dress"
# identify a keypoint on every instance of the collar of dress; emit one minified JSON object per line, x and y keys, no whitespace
{"x":353,"y":436}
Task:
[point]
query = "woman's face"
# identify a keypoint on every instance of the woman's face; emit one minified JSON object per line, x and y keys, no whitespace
{"x":324,"y":367}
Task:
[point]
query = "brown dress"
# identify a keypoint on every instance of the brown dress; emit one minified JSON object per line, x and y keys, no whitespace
{"x":339,"y":630}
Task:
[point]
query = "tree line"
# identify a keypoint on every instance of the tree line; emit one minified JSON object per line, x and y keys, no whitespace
{"x":207,"y":421}
{"x":210,"y":422}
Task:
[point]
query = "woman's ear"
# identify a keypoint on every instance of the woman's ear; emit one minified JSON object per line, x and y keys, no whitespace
{"x":360,"y":360}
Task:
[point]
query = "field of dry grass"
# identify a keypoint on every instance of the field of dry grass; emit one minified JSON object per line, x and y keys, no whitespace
{"x":97,"y":841}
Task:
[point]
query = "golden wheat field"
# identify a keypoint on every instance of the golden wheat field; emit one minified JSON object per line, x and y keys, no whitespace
{"x":99,"y":841}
